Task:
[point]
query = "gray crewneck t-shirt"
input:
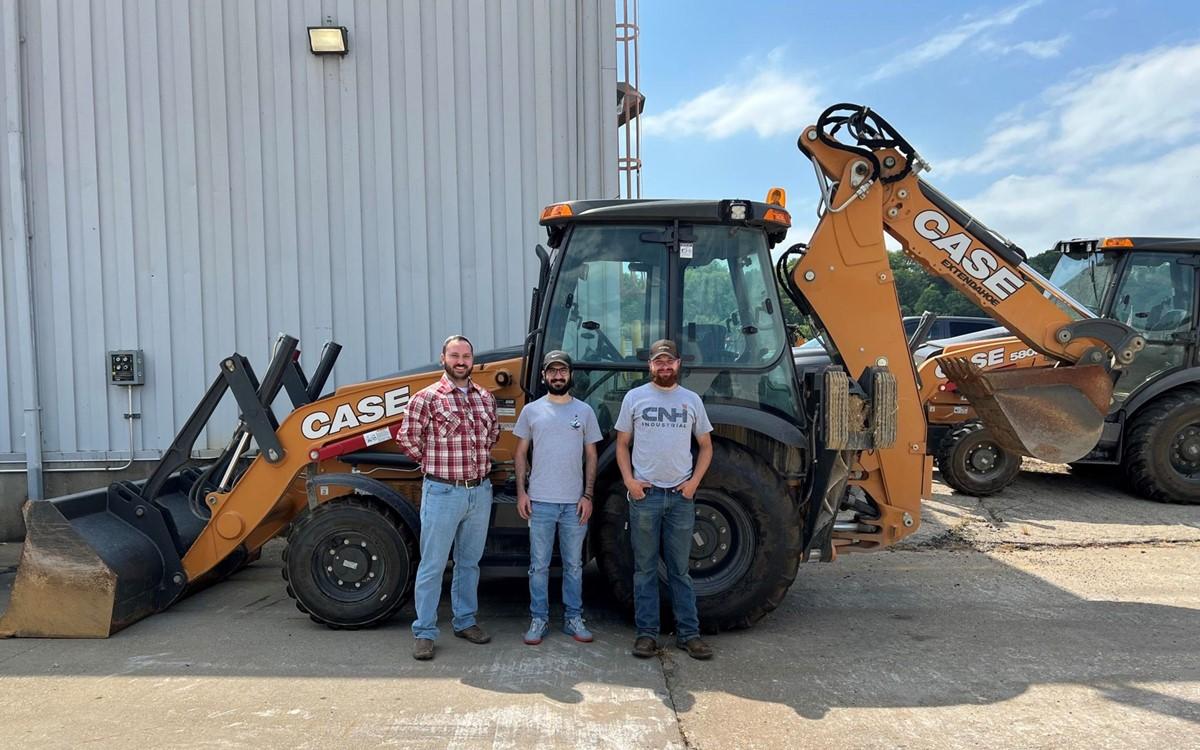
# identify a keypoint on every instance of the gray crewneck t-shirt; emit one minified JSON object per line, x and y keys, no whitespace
{"x":663,"y":423}
{"x":558,"y":432}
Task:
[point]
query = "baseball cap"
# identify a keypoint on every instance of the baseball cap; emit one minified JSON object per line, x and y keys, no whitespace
{"x":663,"y":347}
{"x":558,"y":356}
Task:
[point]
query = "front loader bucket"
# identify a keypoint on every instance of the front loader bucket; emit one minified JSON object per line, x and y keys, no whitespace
{"x":1054,"y":414}
{"x":97,"y":561}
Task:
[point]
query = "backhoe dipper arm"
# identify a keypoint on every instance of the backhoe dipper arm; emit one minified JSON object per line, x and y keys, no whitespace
{"x":846,"y":283}
{"x":951,"y":244}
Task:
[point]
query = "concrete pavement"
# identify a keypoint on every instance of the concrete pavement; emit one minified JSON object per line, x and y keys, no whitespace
{"x":1059,"y":613}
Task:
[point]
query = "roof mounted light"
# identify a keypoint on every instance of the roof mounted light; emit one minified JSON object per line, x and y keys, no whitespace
{"x":777,"y":196}
{"x":557,"y":211}
{"x":1116,"y":242}
{"x":778,"y":216}
{"x":738,"y":211}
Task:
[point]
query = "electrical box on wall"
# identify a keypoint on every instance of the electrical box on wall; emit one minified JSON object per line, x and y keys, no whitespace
{"x":126,"y":367}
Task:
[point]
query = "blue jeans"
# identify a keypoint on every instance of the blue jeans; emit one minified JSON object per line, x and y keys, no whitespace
{"x":458,"y":517}
{"x":543,"y":521}
{"x":665,"y":516}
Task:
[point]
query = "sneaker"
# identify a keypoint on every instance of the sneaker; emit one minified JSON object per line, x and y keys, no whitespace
{"x":537,"y":631}
{"x":474,"y":634}
{"x":575,"y":628}
{"x":644,"y":647}
{"x":422,"y":649}
{"x":697,"y":649}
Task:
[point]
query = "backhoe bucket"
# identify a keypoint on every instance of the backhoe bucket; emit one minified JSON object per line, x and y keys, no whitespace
{"x":97,"y":561}
{"x":1053,"y":414}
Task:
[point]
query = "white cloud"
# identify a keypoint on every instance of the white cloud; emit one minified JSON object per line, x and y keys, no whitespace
{"x":1141,"y":104}
{"x":769,"y":103}
{"x":1137,"y":198}
{"x":1044,"y":49}
{"x":999,"y":148}
{"x":947,"y":42}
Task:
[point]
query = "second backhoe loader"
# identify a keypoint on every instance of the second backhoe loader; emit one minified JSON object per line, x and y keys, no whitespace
{"x":805,"y":467}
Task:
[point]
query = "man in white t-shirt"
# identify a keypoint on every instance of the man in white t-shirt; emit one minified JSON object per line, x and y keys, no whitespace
{"x":563,"y":432}
{"x":660,"y":419}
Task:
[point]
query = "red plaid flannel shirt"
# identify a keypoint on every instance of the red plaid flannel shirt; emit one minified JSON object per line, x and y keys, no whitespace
{"x":450,"y":433}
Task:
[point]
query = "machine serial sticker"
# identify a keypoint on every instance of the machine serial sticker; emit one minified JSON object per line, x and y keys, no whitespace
{"x":506,"y":407}
{"x":685,"y":249}
{"x":375,"y":437}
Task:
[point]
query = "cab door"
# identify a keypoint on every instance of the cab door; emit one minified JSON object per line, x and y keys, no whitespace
{"x":1157,"y":297}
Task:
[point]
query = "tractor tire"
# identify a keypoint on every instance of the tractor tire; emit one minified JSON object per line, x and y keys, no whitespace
{"x":349,"y":563}
{"x":971,"y":462}
{"x":742,"y":505}
{"x":1162,"y":449}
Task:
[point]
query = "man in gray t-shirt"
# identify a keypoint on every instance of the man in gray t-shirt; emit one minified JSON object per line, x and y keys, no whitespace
{"x":660,"y":419}
{"x":563,"y":432}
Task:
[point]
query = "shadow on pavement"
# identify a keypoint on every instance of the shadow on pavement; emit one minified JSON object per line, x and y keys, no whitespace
{"x":892,"y":629}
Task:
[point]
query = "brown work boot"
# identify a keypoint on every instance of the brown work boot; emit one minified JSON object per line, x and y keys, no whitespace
{"x":422,"y":649}
{"x":697,"y":649}
{"x":474,"y":634}
{"x":645,"y":647}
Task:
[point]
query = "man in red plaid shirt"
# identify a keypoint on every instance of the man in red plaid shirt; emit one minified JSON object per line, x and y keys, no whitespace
{"x":450,"y":428}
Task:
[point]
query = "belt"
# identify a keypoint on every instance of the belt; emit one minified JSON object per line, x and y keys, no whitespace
{"x":466,"y":483}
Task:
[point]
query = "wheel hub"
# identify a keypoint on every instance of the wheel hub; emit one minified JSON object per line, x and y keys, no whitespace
{"x":710,"y":539}
{"x":349,"y":565}
{"x":723,"y":544}
{"x":982,"y":459}
{"x":1186,"y":450}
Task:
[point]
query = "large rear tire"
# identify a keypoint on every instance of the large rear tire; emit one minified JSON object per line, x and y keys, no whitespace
{"x":1162,"y":449}
{"x":973,"y":463}
{"x":349,"y":563}
{"x":745,"y":549}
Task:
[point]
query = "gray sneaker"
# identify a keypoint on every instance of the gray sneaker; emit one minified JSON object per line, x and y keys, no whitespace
{"x":575,"y":628}
{"x":422,"y":649}
{"x":537,"y":631}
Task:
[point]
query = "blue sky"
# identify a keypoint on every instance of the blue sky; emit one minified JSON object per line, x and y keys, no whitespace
{"x":1047,"y":119}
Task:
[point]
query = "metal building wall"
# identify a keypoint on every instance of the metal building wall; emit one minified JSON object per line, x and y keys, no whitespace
{"x":198,"y":181}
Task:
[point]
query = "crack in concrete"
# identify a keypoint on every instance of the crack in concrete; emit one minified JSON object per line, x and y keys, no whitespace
{"x":996,"y":518}
{"x":668,"y":671}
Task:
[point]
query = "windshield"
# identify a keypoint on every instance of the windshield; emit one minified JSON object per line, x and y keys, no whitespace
{"x":610,"y":299}
{"x":1085,"y":277}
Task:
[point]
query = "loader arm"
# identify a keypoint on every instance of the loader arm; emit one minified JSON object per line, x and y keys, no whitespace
{"x":268,"y":496}
{"x":871,"y":186}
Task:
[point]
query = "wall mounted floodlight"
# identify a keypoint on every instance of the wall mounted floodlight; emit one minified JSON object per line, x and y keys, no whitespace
{"x":328,"y":40}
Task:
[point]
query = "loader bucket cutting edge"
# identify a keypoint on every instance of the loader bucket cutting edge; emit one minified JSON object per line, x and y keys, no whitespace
{"x":1052,"y":414}
{"x":98,"y":561}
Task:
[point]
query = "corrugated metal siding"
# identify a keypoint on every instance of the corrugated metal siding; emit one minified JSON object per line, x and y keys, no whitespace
{"x":199,"y":182}
{"x":10,"y":384}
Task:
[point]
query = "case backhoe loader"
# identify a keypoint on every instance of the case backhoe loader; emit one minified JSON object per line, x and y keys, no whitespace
{"x":1152,"y":430}
{"x":804,"y":467}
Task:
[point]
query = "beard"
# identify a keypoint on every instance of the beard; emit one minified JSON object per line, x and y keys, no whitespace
{"x":450,"y":373}
{"x":560,"y":389}
{"x":665,"y":379}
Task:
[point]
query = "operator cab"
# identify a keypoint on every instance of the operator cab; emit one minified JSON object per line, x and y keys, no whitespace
{"x":1147,"y":283}
{"x":625,"y":273}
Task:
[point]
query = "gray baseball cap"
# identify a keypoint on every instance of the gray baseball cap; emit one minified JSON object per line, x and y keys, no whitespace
{"x":558,"y":356}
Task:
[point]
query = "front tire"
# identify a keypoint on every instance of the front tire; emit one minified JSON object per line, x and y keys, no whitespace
{"x":745,"y":548}
{"x":973,"y":463}
{"x":1162,"y":455}
{"x":349,"y":563}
